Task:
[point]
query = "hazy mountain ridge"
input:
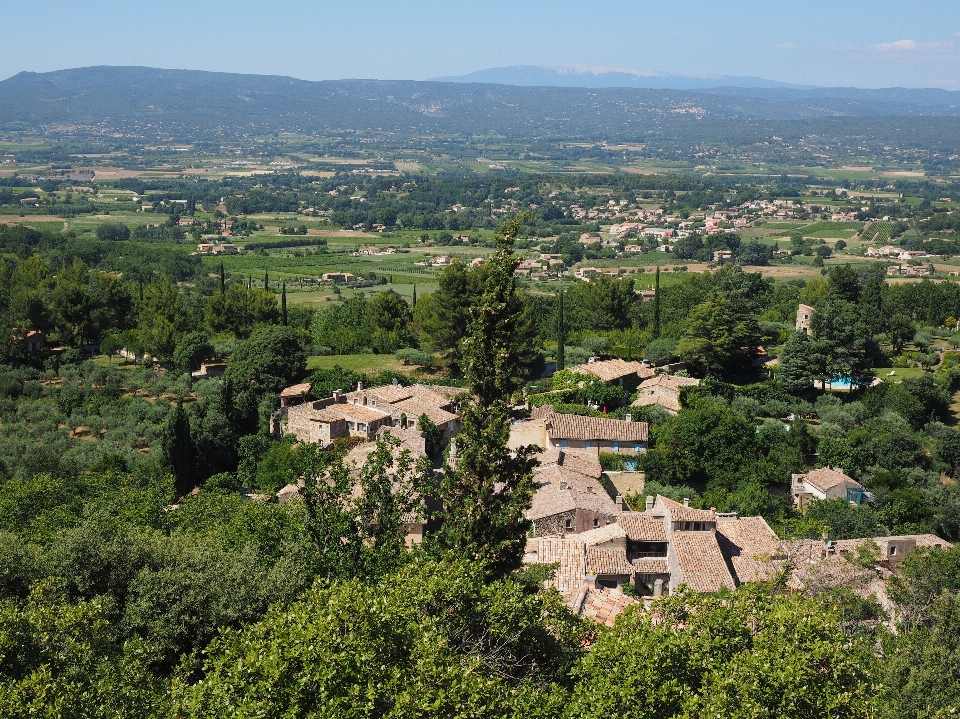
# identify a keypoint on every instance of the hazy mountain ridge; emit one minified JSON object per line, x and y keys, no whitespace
{"x":215,"y":103}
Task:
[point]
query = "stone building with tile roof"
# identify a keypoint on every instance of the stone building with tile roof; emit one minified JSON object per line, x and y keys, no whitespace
{"x":550,"y":430}
{"x":667,"y":545}
{"x":825,"y":483}
{"x":615,"y":371}
{"x":664,"y":390}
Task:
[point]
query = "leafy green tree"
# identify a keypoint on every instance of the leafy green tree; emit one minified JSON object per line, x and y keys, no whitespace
{"x":900,"y":330}
{"x":429,"y":640}
{"x":163,"y":316}
{"x":718,"y":338}
{"x":487,"y":490}
{"x":660,"y":351}
{"x":112,"y":230}
{"x":388,"y":318}
{"x":239,"y":310}
{"x":191,"y":350}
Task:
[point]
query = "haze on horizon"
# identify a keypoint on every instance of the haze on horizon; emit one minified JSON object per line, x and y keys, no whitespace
{"x":860,"y":43}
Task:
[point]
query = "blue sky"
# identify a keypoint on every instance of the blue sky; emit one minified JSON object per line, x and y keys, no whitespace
{"x":875,"y":43}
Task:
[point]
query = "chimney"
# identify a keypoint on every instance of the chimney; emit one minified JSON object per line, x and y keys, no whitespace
{"x":621,"y":505}
{"x":649,"y":503}
{"x":563,"y":485}
{"x":337,"y":394}
{"x":628,"y":418}
{"x":359,"y":386}
{"x":686,"y":502}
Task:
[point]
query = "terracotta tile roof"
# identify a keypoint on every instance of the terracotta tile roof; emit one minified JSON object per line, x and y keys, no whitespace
{"x":608,"y":562}
{"x":357,"y":412}
{"x":570,"y":554}
{"x":683,"y":513}
{"x":296,"y":390}
{"x":668,"y":403}
{"x":670,"y":381}
{"x":826,"y":478}
{"x":602,"y":535}
{"x":574,"y":426}
{"x":613,"y":369}
{"x":750,"y":547}
{"x":600,"y":605}
{"x":579,"y":492}
{"x":585,"y":463}
{"x":643,"y":527}
{"x":702,"y":566}
{"x":650,"y":565}
{"x":414,"y":407}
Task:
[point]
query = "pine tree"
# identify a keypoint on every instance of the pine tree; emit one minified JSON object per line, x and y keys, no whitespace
{"x":485,"y":495}
{"x":178,"y":449}
{"x":283,"y":303}
{"x":656,"y":306}
{"x":561,"y":333}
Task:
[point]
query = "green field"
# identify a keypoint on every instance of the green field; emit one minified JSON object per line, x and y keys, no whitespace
{"x":369,"y":364}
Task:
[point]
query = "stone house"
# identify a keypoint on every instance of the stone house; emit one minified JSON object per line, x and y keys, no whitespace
{"x":593,"y":435}
{"x":663,"y":390}
{"x":804,"y":315}
{"x":667,"y":545}
{"x":615,"y":371}
{"x":825,"y":483}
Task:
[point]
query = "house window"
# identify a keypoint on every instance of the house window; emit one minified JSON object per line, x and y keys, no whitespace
{"x":589,"y":444}
{"x":638,"y":446}
{"x":855,"y":496}
{"x":568,"y":525}
{"x":616,"y":446}
{"x":893,"y":550}
{"x":564,"y":444}
{"x":596,"y":523}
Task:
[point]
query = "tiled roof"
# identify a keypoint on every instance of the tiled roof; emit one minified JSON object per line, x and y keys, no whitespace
{"x":751,"y":548}
{"x":569,"y":554}
{"x":602,"y":535}
{"x":702,"y":566}
{"x":579,"y":492}
{"x":600,"y":605}
{"x":669,"y":380}
{"x":650,"y":565}
{"x":414,"y":407}
{"x":358,"y":412}
{"x":296,"y":390}
{"x":608,"y":562}
{"x":642,"y":527}
{"x":669,"y":402}
{"x":585,"y":463}
{"x":683,"y":513}
{"x":826,"y":478}
{"x":613,"y":369}
{"x":574,"y":426}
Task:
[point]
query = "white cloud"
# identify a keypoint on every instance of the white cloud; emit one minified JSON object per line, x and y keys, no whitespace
{"x":897,"y":45}
{"x":788,"y":46}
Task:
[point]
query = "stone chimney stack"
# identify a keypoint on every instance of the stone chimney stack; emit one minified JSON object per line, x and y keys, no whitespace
{"x":628,"y":417}
{"x":686,"y":502}
{"x":649,"y":503}
{"x":337,"y":393}
{"x":359,"y":386}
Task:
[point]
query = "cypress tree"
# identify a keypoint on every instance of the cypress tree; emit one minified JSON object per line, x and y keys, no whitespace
{"x":414,"y":304}
{"x":561,"y":333}
{"x":178,"y":450}
{"x":223,"y":287}
{"x":656,"y":306}
{"x":266,"y":280}
{"x":283,"y":303}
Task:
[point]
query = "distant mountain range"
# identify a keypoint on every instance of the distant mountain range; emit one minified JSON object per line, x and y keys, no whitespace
{"x":147,"y":102}
{"x":540,"y":76}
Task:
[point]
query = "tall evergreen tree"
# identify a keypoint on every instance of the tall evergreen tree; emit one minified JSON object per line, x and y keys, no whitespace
{"x":487,"y":489}
{"x":656,"y":306}
{"x":414,"y":303}
{"x":283,"y":303}
{"x":178,"y":449}
{"x":266,"y":280}
{"x":561,"y":333}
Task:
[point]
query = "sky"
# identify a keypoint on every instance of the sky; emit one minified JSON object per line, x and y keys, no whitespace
{"x":861,"y":43}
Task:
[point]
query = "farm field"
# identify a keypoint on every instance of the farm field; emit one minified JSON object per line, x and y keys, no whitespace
{"x":367,"y":363}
